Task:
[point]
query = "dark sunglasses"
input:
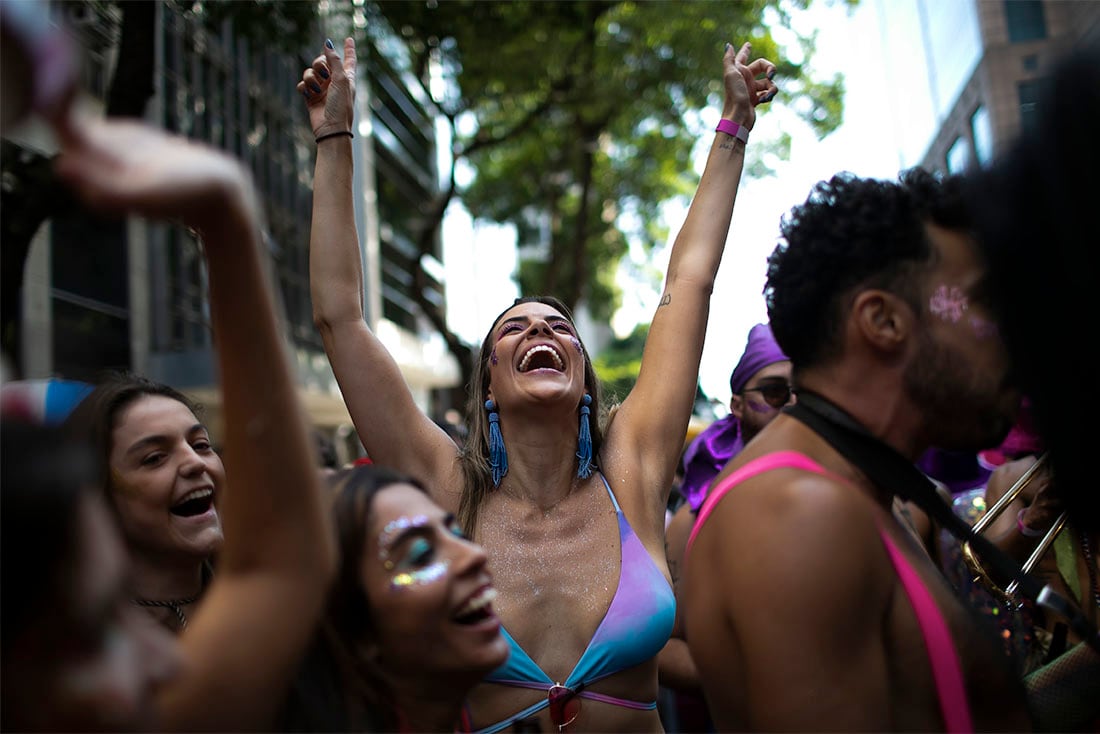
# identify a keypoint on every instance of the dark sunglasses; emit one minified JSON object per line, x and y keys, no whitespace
{"x":775,"y":394}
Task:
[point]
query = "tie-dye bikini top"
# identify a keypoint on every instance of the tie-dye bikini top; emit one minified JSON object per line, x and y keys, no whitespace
{"x":635,"y":627}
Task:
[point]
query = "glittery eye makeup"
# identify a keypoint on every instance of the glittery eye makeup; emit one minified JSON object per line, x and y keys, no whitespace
{"x":563,"y":326}
{"x":395,"y":528}
{"x":508,"y":329}
{"x":948,"y":304}
{"x":417,"y":565}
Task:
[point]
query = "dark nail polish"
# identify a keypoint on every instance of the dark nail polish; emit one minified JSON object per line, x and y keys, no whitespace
{"x":771,"y":96}
{"x":328,"y":43}
{"x":728,"y":47}
{"x":771,"y":74}
{"x":323,"y":72}
{"x":315,"y":88}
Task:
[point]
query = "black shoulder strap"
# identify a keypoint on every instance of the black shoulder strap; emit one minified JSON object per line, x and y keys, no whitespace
{"x":887,"y":468}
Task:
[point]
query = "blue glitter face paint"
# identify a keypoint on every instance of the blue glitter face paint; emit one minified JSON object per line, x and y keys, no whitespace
{"x":493,"y":356}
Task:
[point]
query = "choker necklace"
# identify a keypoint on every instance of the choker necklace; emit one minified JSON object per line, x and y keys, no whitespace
{"x":176,"y":605}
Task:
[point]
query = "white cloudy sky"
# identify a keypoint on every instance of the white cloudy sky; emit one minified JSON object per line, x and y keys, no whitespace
{"x":880,"y":122}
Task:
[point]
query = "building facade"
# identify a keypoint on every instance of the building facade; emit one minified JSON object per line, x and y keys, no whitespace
{"x":130,"y":294}
{"x":983,"y":64}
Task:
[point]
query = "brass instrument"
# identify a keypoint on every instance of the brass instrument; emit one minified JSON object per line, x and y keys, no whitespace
{"x":1008,"y":594}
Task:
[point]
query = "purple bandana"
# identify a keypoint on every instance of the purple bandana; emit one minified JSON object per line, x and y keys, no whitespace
{"x":708,"y":454}
{"x":760,"y":351}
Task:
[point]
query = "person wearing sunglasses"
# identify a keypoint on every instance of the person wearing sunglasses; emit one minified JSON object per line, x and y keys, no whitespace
{"x":761,"y":386}
{"x":831,"y":616}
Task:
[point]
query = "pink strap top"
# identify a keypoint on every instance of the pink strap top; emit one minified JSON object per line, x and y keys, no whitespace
{"x":942,"y":656}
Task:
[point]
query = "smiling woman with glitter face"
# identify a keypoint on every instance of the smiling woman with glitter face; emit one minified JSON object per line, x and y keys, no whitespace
{"x":409,"y":628}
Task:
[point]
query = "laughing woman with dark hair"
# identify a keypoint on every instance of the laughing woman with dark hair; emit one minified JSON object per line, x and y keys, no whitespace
{"x":409,"y":626}
{"x":162,"y":477}
{"x":78,"y":655}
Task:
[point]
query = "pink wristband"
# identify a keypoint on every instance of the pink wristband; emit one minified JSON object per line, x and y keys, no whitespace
{"x":1024,"y":529}
{"x":729,"y":127}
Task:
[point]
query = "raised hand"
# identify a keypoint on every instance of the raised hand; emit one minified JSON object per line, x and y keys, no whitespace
{"x":122,"y":166}
{"x":747,"y":84}
{"x":329,"y":88}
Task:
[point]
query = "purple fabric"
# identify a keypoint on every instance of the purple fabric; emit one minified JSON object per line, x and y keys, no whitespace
{"x":706,"y":456}
{"x":960,"y":471}
{"x":761,"y":350}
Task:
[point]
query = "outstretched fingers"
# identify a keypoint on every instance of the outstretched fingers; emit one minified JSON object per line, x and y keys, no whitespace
{"x":743,"y":54}
{"x":350,"y":58}
{"x":763,"y":72}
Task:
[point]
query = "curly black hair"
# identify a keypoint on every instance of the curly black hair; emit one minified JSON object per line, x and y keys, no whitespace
{"x":853,"y":233}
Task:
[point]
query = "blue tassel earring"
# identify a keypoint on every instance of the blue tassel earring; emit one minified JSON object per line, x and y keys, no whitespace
{"x":584,"y":441}
{"x":498,"y":457}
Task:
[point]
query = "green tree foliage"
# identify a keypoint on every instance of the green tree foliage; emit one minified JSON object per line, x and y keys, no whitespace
{"x":580,"y":118}
{"x":618,"y":365}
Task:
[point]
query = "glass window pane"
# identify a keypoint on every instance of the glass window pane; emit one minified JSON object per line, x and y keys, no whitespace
{"x":1025,"y":20}
{"x":982,"y":130}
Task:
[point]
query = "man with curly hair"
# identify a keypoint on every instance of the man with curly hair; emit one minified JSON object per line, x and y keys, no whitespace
{"x":830,"y":615}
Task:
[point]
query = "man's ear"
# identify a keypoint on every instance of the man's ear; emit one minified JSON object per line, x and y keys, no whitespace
{"x":883,"y":319}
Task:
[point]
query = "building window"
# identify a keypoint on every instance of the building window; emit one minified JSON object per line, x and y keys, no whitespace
{"x":1025,"y":21}
{"x":982,"y":131}
{"x":958,"y":156}
{"x":1028,"y":93}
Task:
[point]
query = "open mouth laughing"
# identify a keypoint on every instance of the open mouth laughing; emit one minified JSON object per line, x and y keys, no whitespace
{"x":477,"y":608}
{"x":542,"y":357}
{"x":194,"y":503}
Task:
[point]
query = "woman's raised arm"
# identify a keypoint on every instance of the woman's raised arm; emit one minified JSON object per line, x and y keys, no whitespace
{"x":391,"y":426}
{"x":244,"y":642}
{"x":670,"y":363}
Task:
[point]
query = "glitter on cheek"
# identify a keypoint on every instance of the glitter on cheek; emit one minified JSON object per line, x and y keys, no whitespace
{"x":493,"y":356}
{"x":983,"y":328}
{"x":577,"y":345}
{"x":422,"y":577}
{"x":948,"y":303}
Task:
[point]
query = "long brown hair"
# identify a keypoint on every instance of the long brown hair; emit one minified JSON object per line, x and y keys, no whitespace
{"x":474,"y":457}
{"x":338,"y":688}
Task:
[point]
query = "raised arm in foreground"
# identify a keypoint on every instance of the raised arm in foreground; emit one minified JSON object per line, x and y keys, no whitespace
{"x":243,"y":644}
{"x":392,"y":428}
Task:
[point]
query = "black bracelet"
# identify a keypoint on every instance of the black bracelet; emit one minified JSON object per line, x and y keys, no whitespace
{"x":326,"y":136}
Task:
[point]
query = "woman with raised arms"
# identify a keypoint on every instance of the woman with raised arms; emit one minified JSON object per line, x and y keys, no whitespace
{"x":572,"y":518}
